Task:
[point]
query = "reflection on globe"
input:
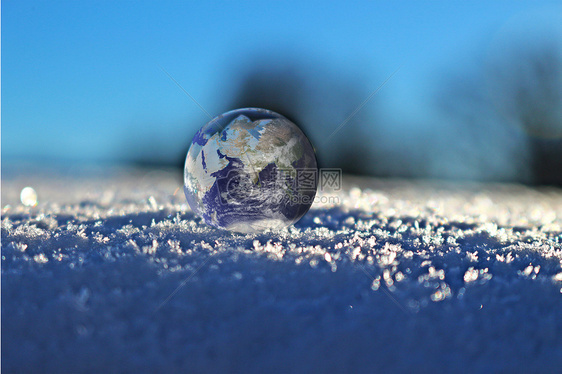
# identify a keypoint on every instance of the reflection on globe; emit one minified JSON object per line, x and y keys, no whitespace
{"x":249,"y":170}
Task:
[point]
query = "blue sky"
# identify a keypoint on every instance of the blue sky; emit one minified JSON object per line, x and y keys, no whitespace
{"x":81,"y":80}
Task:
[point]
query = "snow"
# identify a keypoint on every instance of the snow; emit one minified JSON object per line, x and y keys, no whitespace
{"x":111,"y":272}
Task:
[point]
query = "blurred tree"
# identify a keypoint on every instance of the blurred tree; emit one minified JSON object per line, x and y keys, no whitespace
{"x":504,"y":122}
{"x":318,"y":99}
{"x":472,"y":141}
{"x":526,"y":87}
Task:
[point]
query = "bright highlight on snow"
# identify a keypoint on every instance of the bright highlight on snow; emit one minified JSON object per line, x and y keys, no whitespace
{"x":249,"y":170}
{"x":28,"y":196}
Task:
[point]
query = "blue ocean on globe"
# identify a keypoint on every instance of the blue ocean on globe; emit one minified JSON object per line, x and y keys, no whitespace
{"x":249,"y":170}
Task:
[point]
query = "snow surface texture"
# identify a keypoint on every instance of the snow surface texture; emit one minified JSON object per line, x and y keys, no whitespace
{"x":397,"y":276}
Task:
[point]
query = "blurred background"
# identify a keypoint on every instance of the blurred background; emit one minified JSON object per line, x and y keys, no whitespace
{"x":475,"y":90}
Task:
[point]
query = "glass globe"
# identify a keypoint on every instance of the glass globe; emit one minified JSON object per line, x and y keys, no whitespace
{"x":249,"y":170}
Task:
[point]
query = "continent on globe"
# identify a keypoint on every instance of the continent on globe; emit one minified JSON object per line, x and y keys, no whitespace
{"x":243,"y":168}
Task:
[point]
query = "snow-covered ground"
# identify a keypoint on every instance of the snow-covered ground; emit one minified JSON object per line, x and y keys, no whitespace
{"x":396,"y":276}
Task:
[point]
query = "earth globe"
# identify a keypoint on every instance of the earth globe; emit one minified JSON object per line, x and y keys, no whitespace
{"x":249,"y":170}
